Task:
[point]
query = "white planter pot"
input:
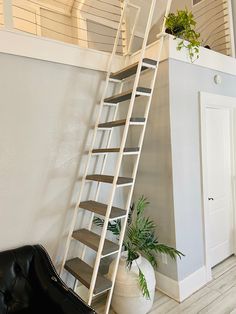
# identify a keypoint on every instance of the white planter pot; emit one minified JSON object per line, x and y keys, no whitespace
{"x":127,"y":297}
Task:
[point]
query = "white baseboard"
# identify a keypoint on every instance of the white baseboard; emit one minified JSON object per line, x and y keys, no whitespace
{"x":167,"y":286}
{"x":192,"y":283}
{"x":181,"y":290}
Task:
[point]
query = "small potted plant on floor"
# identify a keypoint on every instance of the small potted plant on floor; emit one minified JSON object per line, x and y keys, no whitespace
{"x":135,"y":281}
{"x":182,"y":26}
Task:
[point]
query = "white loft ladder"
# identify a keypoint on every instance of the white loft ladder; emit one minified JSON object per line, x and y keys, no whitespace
{"x":84,"y":273}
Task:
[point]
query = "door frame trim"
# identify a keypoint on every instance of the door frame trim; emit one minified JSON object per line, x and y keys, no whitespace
{"x":208,"y":100}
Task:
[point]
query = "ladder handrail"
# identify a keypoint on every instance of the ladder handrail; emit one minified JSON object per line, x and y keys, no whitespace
{"x":111,"y":131}
{"x":109,"y":68}
{"x":138,"y":8}
{"x":122,"y":234}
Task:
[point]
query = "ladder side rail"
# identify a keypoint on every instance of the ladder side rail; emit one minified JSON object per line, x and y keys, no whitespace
{"x":124,"y":32}
{"x":103,"y":164}
{"x":120,"y":90}
{"x":168,"y":7}
{"x":93,"y":140}
{"x":114,"y":118}
{"x":138,"y":8}
{"x":118,"y":166}
{"x":122,"y":234}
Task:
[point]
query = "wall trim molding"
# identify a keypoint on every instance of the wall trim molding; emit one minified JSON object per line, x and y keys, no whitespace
{"x":26,"y":45}
{"x":207,"y":58}
{"x":181,"y":290}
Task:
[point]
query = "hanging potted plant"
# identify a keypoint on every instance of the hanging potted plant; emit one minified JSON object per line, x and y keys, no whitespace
{"x":135,"y":282}
{"x":182,"y":26}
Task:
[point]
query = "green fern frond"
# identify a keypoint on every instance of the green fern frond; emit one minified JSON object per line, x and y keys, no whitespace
{"x":172,"y":252}
{"x":130,"y":216}
{"x":141,"y":205}
{"x":114,"y":226}
{"x":98,"y":221}
{"x":151,"y":257}
{"x":143,"y":284}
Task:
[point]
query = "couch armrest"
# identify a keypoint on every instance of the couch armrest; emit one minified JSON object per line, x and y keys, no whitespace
{"x":54,"y":288}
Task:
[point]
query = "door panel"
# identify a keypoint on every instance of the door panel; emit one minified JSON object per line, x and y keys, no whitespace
{"x":219,"y":174}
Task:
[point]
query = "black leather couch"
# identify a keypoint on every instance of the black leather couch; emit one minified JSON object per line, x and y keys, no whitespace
{"x":29,"y":284}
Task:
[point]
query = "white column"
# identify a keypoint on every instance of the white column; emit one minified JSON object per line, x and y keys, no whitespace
{"x":232,"y":23}
{"x":7,"y":14}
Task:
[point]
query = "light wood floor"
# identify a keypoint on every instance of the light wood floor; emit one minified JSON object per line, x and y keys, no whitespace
{"x":218,"y":297}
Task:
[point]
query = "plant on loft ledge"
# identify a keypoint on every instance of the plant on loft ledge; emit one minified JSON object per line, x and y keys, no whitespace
{"x":182,"y":26}
{"x":135,"y":282}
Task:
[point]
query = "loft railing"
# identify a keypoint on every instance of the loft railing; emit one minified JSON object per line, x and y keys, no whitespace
{"x":86,"y":23}
{"x":93,"y":23}
{"x":214,"y":23}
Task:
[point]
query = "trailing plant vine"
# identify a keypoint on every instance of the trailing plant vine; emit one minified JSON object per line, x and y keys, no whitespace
{"x":140,"y":238}
{"x":182,"y":26}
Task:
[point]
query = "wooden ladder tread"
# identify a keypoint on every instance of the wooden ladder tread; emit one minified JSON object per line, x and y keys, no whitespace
{"x":109,"y":179}
{"x":126,"y":95}
{"x":113,"y":124}
{"x":83,"y":272}
{"x":115,"y":150}
{"x":101,"y":209}
{"x":92,"y":240}
{"x":132,"y":69}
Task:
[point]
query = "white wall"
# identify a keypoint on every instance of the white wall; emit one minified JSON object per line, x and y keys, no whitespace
{"x":186,"y":163}
{"x":154,"y":178}
{"x":46,"y":110}
{"x":170,"y":167}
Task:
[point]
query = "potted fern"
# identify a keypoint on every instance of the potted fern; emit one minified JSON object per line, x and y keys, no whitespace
{"x":135,"y":282}
{"x":182,"y":26}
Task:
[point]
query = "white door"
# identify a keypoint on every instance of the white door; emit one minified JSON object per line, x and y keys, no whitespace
{"x":219,"y":184}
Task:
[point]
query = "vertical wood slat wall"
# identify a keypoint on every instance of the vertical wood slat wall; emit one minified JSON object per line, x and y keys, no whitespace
{"x":1,"y":14}
{"x":214,"y":23}
{"x":81,"y":22}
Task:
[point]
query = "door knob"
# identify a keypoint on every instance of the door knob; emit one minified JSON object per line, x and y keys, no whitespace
{"x":210,"y":199}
